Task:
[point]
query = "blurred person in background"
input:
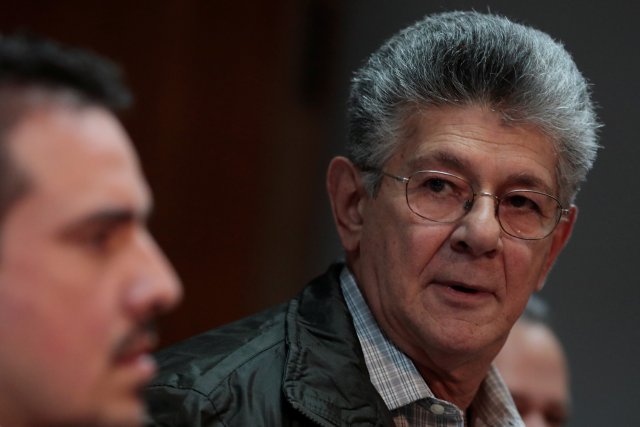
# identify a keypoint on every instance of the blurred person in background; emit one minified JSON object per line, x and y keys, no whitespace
{"x":534,"y":368}
{"x":81,"y":278}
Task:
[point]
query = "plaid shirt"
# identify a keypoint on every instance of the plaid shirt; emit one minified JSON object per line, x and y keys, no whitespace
{"x":403,"y":389}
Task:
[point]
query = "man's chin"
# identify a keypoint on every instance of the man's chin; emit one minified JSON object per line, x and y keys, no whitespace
{"x":131,"y":412}
{"x":125,"y":411}
{"x":129,"y":417}
{"x":123,"y":405}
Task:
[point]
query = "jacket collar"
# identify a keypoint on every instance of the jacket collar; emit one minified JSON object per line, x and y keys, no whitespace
{"x":325,"y":375}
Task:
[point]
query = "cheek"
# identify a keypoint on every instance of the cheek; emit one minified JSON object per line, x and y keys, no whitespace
{"x":57,"y":309}
{"x":422,"y":247}
{"x":396,"y":251}
{"x":69,"y":309}
{"x":524,"y":272}
{"x":81,"y":339}
{"x":403,"y":256}
{"x":60,"y":330}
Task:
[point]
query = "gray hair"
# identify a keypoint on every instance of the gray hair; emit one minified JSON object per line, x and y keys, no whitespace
{"x":464,"y":58}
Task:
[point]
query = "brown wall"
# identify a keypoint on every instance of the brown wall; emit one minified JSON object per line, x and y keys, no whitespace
{"x":229,"y":123}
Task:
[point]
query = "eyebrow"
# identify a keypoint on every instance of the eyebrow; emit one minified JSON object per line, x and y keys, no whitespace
{"x":442,"y":158}
{"x":530,"y":181}
{"x":449,"y":160}
{"x":109,"y":218}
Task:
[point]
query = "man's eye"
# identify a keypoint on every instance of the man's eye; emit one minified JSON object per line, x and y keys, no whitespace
{"x":435,"y":184}
{"x":440,"y":185}
{"x":99,"y":240}
{"x":95,"y":240}
{"x":103,"y":238}
{"x":521,"y":202}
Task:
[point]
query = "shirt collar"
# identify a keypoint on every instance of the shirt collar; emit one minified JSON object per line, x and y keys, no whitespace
{"x":392,"y":373}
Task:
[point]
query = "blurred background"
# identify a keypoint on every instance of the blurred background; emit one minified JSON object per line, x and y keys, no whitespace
{"x":240,"y":106}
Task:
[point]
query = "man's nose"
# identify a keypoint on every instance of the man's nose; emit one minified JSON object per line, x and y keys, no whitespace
{"x":479,"y":231}
{"x":155,"y":287}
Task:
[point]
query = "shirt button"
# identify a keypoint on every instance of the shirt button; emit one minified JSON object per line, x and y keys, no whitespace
{"x":436,"y":409}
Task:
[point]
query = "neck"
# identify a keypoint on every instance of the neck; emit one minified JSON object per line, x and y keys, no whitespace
{"x":455,"y":383}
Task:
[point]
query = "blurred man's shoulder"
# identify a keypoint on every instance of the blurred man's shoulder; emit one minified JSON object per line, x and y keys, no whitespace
{"x":202,"y":361}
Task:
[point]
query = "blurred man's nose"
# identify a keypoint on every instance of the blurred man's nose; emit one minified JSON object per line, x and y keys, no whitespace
{"x":155,"y":287}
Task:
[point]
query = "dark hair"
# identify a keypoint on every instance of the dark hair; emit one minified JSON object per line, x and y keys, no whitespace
{"x":28,"y":60}
{"x":36,"y":71}
{"x":464,"y":58}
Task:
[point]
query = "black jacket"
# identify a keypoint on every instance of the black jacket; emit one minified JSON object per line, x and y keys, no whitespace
{"x":297,"y":364}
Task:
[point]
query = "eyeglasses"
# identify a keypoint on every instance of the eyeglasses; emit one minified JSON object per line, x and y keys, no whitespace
{"x":446,"y":198}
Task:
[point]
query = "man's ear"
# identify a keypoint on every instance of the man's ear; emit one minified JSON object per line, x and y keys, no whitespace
{"x":560,"y":237}
{"x":346,"y":194}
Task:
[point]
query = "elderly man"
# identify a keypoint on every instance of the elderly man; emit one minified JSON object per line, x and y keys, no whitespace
{"x":534,"y":368}
{"x":80,"y":276}
{"x":469,"y":137}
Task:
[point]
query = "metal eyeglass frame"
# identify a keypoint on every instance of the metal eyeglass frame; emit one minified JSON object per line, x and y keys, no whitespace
{"x":404,"y":179}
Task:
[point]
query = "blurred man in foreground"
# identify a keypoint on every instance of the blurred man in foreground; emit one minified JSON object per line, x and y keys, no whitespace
{"x":80,"y":277}
{"x":534,"y":367}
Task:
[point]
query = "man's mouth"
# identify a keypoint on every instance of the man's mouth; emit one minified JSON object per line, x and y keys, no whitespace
{"x":133,"y":356}
{"x":137,"y":344}
{"x":464,"y":289}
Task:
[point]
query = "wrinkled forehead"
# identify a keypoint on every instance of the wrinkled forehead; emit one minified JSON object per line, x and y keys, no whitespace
{"x":456,"y":137}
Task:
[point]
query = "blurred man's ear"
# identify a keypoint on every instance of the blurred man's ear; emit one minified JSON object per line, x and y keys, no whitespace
{"x":346,"y":193}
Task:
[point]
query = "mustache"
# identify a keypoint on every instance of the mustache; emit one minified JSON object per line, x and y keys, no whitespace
{"x":143,"y":338}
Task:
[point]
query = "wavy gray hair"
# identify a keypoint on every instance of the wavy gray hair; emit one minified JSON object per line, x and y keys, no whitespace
{"x":463,"y":58}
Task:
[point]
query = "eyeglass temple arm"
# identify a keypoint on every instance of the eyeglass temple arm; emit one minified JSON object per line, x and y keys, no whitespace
{"x":402,"y":179}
